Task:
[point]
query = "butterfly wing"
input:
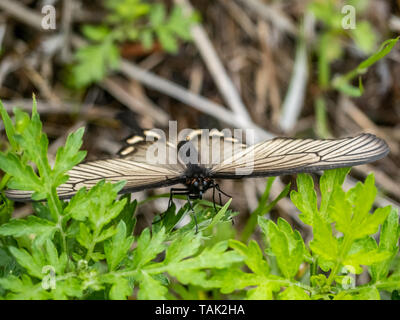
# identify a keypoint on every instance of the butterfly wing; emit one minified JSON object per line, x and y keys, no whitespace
{"x":208,"y":148}
{"x":138,"y":167}
{"x":281,"y":156}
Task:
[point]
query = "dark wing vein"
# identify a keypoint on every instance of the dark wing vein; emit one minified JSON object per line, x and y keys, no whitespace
{"x":286,"y":155}
{"x":138,"y":176}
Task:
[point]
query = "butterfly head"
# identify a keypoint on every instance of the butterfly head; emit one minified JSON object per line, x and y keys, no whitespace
{"x":198,"y":184}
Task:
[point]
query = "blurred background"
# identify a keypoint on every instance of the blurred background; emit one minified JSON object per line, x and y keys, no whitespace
{"x":318,"y":69}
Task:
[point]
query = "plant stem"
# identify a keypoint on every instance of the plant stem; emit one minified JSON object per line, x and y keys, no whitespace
{"x":348,"y":241}
{"x":56,"y":211}
{"x":93,"y":243}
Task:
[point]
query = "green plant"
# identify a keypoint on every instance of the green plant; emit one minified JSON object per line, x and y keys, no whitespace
{"x":127,"y":20}
{"x":329,"y":47}
{"x":86,"y":248}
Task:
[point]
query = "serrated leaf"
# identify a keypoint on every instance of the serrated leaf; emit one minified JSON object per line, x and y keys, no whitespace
{"x":364,"y":36}
{"x":69,"y":155}
{"x":117,"y":247}
{"x":252,"y":255}
{"x":182,"y":247}
{"x":96,"y":33}
{"x":121,"y":289}
{"x":286,"y":245}
{"x":93,"y":61}
{"x":23,"y":176}
{"x":350,"y":210}
{"x":8,"y":125}
{"x":151,"y":289}
{"x":167,"y":39}
{"x":294,"y":293}
{"x":324,"y":243}
{"x":330,"y":181}
{"x":148,"y":247}
{"x":157,"y":14}
{"x":370,"y":293}
{"x":388,"y":241}
{"x":84,"y":236}
{"x":37,"y":228}
{"x":32,"y":264}
{"x":305,"y":199}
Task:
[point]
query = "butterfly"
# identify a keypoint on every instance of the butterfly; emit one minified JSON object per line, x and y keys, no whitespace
{"x":199,"y":158}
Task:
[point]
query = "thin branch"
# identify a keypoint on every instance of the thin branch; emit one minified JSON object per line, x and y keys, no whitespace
{"x":198,"y":102}
{"x":271,"y":14}
{"x":294,"y":98}
{"x":133,"y":103}
{"x":217,"y":70}
{"x":22,"y":13}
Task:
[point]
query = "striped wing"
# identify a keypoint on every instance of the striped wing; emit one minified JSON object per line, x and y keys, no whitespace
{"x":208,"y":148}
{"x":138,"y":176}
{"x":135,"y":165}
{"x":281,"y":156}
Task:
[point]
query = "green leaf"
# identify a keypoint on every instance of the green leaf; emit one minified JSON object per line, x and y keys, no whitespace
{"x":148,"y":247}
{"x":369,"y":293}
{"x":98,"y":204}
{"x":350,"y":210}
{"x":23,"y":288}
{"x":294,"y":293}
{"x":364,"y":257}
{"x":182,"y":247}
{"x":128,"y":214}
{"x":385,"y":48}
{"x":69,"y":155}
{"x":331,"y":181}
{"x":85,"y":238}
{"x":117,"y":247}
{"x":324,"y":243}
{"x":305,"y":199}
{"x":189,"y":270}
{"x":364,"y":36}
{"x":34,"y":227}
{"x":121,"y":289}
{"x":151,"y":289}
{"x":157,"y":14}
{"x":221,"y":213}
{"x":93,"y":62}
{"x":32,"y":263}
{"x":388,"y":242}
{"x":23,"y":176}
{"x":96,"y":33}
{"x":180,"y":24}
{"x":167,"y":39}
{"x":146,"y":38}
{"x":285,"y":244}
{"x":252,"y":255}
{"x":263,"y":208}
{"x":8,"y":125}
{"x":6,"y":209}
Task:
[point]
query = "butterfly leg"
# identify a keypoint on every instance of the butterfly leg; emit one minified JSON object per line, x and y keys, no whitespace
{"x":220,"y":191}
{"x":173,"y":191}
{"x":176,"y":191}
{"x":194,"y":213}
{"x":213,"y":197}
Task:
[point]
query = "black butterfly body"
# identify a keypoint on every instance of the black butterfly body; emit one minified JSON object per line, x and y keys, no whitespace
{"x":201,"y":156}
